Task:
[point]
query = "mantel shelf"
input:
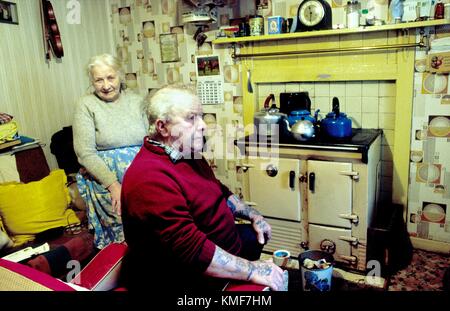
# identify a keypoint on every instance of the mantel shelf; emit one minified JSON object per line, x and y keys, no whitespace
{"x":322,"y":33}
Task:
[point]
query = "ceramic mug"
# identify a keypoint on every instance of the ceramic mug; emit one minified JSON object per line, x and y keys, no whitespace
{"x":281,"y":257}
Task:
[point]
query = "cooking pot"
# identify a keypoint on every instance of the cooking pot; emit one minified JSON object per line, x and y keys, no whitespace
{"x":336,"y":124}
{"x":298,"y":115}
{"x":302,"y":130}
{"x":268,"y":121}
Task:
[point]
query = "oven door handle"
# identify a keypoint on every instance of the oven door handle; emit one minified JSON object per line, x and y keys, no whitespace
{"x":351,"y":174}
{"x":352,"y":217}
{"x":354,"y":241}
{"x":352,"y":259}
{"x":292,"y":180}
{"x":245,"y":166}
{"x":311,"y":181}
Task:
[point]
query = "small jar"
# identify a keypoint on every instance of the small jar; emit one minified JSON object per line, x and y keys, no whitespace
{"x":353,"y":14}
{"x":439,"y":10}
{"x":256,"y":24}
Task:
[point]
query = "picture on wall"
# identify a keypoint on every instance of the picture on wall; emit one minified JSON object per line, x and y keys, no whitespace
{"x":169,"y":48}
{"x":8,"y":13}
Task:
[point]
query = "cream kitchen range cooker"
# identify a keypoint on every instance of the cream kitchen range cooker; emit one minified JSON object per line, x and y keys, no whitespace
{"x":319,"y":194}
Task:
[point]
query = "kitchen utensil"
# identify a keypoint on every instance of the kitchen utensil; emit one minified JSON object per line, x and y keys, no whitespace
{"x":269,"y":120}
{"x":249,"y":81}
{"x":336,"y":124}
{"x":302,"y":130}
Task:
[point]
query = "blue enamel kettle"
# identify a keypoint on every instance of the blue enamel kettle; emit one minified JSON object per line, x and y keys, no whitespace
{"x":300,"y":115}
{"x":336,"y":124}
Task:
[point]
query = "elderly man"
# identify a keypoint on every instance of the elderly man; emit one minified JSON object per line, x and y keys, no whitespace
{"x":179,"y":220}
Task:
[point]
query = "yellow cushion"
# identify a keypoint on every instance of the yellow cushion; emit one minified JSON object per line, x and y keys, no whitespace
{"x":28,"y":209}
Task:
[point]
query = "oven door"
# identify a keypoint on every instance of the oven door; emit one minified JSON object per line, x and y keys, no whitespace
{"x":335,"y":241}
{"x":274,"y":187}
{"x":330,"y":193}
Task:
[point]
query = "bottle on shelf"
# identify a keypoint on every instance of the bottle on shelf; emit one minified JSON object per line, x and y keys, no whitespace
{"x":353,"y":8}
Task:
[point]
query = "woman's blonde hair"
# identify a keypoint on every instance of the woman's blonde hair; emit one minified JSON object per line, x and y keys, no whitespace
{"x":105,"y":60}
{"x":169,"y":101}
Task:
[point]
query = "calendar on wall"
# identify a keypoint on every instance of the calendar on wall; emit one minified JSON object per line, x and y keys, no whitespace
{"x":209,"y":80}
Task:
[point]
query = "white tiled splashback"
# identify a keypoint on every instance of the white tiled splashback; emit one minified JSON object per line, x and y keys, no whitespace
{"x":370,"y":104}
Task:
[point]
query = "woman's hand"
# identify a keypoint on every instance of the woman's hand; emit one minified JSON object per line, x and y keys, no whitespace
{"x":114,"y":189}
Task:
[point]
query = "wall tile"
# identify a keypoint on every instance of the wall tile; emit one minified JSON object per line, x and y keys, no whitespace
{"x":387,"y":104}
{"x":322,"y":89}
{"x":387,"y":121}
{"x":369,"y":104}
{"x":353,"y":89}
{"x":370,"y":120}
{"x":337,"y":89}
{"x":387,"y":88}
{"x":353,"y":104}
{"x":370,"y":88}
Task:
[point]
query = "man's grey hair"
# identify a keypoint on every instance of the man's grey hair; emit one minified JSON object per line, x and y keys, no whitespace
{"x":167,"y":102}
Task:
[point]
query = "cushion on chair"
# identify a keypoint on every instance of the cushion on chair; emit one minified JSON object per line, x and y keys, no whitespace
{"x":102,"y":272}
{"x":18,"y":277}
{"x":28,"y":209}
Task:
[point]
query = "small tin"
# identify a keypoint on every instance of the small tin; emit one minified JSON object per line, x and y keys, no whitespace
{"x":275,"y":25}
{"x":256,"y":25}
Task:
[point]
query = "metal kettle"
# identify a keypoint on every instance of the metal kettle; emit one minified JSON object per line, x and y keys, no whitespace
{"x":302,"y":130}
{"x":268,"y":121}
{"x":336,"y":124}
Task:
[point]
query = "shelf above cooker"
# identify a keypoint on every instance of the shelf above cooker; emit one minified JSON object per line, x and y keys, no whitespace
{"x":333,"y":32}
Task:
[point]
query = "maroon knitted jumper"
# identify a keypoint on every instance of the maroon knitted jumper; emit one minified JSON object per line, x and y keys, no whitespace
{"x":173,"y":215}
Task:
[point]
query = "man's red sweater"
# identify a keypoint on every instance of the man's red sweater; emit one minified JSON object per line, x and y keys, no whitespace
{"x":175,"y":213}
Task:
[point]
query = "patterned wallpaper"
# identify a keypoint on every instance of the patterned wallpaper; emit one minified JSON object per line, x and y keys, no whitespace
{"x":429,"y":194}
{"x":41,"y":96}
{"x":137,"y":26}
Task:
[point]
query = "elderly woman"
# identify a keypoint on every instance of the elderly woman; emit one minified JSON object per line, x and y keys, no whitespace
{"x":178,"y":218}
{"x":109,"y":126}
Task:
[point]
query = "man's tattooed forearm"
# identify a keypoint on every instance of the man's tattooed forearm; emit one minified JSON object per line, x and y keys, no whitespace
{"x":264,"y":269}
{"x":251,"y":269}
{"x":223,"y":257}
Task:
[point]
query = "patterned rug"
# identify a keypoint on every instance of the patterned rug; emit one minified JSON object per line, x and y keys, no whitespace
{"x":425,"y":273}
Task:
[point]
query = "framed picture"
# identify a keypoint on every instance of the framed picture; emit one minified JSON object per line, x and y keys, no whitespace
{"x":169,"y":47}
{"x":8,"y":13}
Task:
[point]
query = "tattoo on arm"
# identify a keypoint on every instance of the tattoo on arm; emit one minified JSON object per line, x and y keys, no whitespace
{"x":223,"y":257}
{"x":264,"y":269}
{"x":240,"y":209}
{"x":251,"y":269}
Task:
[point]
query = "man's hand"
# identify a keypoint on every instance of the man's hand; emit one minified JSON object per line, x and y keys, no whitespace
{"x":268,"y":273}
{"x":114,"y":189}
{"x":262,"y":229}
{"x":242,"y":210}
{"x":227,"y":266}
